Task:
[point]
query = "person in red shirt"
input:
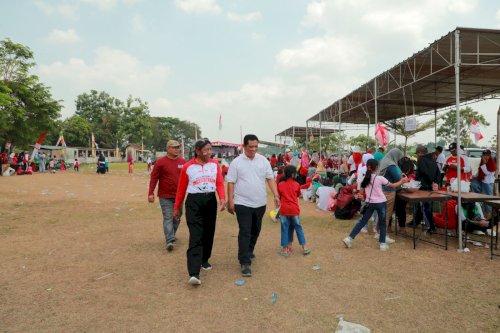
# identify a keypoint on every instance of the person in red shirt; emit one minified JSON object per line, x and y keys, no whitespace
{"x":200,"y":178}
{"x":166,"y":174}
{"x":289,"y":191}
{"x":451,"y":165}
{"x":273,"y":161}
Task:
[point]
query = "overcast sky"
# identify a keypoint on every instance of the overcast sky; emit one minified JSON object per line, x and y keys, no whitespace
{"x":264,"y":65}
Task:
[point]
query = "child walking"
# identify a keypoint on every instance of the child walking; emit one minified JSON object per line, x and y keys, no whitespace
{"x":289,"y":191}
{"x":77,"y":165}
{"x":376,"y":201}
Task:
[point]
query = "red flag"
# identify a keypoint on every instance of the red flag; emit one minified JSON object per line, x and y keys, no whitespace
{"x":382,"y":135}
{"x":474,"y":129}
{"x":38,"y":144}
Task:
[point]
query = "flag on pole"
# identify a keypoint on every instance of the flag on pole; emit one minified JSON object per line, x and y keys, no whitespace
{"x":220,"y":121}
{"x":382,"y":135}
{"x":38,"y":145}
{"x":117,"y":150}
{"x":474,"y":129}
{"x":195,"y":133}
{"x":93,"y":145}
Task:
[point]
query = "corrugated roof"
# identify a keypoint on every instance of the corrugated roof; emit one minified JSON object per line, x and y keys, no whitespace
{"x":426,"y":80}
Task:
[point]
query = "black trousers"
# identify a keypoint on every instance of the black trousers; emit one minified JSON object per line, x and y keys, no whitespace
{"x":400,"y":208}
{"x":250,"y":222}
{"x":201,"y":214}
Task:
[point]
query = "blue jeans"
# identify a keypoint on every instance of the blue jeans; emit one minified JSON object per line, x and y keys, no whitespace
{"x":487,"y":189}
{"x":169,"y":225}
{"x":380,"y":208}
{"x":428,"y":217}
{"x":288,"y":224}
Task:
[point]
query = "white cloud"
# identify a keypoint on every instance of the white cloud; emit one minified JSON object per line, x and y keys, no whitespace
{"x":138,"y":23}
{"x":498,"y":15}
{"x":248,"y":17}
{"x":199,"y":6}
{"x":65,"y":10}
{"x":161,"y":106}
{"x":102,"y":4}
{"x":115,"y":71}
{"x":462,"y":6}
{"x":343,"y":53}
{"x":63,"y":36}
{"x":257,"y":36}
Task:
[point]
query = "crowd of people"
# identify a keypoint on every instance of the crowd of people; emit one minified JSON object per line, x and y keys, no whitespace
{"x":364,"y":183}
{"x":22,"y":164}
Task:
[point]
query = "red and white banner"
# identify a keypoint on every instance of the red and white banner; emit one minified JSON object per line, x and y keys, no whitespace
{"x":475,"y":130}
{"x":38,"y":145}
{"x":382,"y":135}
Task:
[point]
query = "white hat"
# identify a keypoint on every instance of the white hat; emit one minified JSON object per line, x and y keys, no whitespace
{"x":287,"y":150}
{"x":356,"y":149}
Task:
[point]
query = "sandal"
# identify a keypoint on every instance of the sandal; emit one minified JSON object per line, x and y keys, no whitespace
{"x":306,"y":251}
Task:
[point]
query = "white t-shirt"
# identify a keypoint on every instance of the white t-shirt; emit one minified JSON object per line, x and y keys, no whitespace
{"x":441,"y":161}
{"x":249,"y":178}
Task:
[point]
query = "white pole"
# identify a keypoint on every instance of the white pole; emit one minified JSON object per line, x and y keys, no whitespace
{"x":457,"y":112}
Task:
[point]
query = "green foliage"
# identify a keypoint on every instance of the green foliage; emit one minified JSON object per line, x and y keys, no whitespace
{"x":26,"y":105}
{"x":398,"y":126}
{"x":447,"y":128}
{"x":363,"y":141}
{"x":167,"y":128}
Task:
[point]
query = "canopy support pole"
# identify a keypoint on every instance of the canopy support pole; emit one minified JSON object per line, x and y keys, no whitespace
{"x":307,"y":138}
{"x":457,"y":113}
{"x":341,"y":144}
{"x":320,"y":134}
{"x":435,"y":127}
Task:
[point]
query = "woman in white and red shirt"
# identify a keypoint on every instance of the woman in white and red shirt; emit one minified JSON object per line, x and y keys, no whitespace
{"x":200,"y":178}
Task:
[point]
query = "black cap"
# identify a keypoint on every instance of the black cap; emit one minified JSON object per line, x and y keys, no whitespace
{"x":452,"y":146}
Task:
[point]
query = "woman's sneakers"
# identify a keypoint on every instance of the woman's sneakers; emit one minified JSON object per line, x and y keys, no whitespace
{"x":384,"y":247}
{"x":388,"y":239}
{"x":194,"y":280}
{"x":348,"y":242}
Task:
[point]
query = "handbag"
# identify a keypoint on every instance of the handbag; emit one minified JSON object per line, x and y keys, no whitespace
{"x":367,"y":204}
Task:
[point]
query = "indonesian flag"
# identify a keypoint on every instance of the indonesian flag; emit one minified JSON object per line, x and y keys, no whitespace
{"x":220,"y":121}
{"x":474,"y":129}
{"x":382,"y":135}
{"x":38,"y":145}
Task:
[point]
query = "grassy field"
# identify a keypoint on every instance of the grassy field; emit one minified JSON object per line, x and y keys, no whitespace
{"x":82,"y":252}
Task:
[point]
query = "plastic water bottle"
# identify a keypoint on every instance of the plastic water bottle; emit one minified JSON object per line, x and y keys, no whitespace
{"x":273,"y":298}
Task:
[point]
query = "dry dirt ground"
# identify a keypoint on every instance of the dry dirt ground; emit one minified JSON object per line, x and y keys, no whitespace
{"x":86,"y":253}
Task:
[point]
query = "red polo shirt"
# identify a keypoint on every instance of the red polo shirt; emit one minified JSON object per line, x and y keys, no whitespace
{"x":166,"y":172}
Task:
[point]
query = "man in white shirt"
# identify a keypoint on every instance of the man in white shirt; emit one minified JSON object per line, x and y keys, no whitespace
{"x":246,"y":195}
{"x":441,"y":161}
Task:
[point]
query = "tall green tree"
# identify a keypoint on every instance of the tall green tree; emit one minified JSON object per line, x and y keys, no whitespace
{"x":27,"y":107}
{"x":363,"y":141}
{"x":136,"y":122}
{"x":447,"y":128}
{"x":76,"y":131}
{"x":167,"y":128}
{"x":398,"y":126}
{"x":104,"y":113}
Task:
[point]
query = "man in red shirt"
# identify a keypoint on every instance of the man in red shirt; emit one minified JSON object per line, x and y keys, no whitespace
{"x":166,"y":173}
{"x":451,"y":165}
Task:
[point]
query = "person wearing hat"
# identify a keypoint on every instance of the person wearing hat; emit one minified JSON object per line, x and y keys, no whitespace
{"x":485,"y":177}
{"x":428,"y":175}
{"x":451,"y":165}
{"x":166,"y":174}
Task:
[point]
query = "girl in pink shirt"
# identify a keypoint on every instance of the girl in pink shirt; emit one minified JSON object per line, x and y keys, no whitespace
{"x":376,"y":202}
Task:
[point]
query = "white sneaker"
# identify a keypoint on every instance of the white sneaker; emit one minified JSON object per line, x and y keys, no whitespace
{"x":194,"y":281}
{"x":491,"y":231}
{"x":478,"y":232}
{"x":348,"y":242}
{"x":384,"y":247}
{"x":388,"y":239}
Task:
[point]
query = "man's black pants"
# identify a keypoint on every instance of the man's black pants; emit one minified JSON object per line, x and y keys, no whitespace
{"x":250,"y":222}
{"x":201,"y":214}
